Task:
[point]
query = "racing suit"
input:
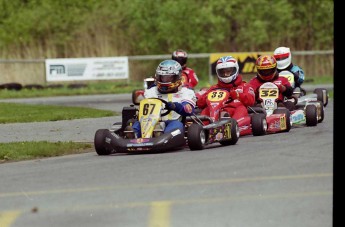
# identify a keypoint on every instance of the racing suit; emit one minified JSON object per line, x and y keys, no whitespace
{"x":184,"y":102}
{"x":189,"y":77}
{"x":297,"y":72}
{"x":238,"y":107}
{"x":256,"y":82}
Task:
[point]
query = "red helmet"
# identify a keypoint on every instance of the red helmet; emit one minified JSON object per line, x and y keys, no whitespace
{"x":266,"y":66}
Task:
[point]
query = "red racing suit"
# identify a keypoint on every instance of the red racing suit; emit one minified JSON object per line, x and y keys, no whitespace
{"x":189,"y":77}
{"x":256,"y":82}
{"x":238,"y":107}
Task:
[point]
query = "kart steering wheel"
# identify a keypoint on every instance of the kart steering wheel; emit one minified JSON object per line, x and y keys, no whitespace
{"x":165,"y":108}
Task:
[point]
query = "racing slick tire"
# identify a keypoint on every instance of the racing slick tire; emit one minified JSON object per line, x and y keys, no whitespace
{"x":235,"y":134}
{"x":322,"y":95}
{"x":196,"y":137}
{"x":288,"y":118}
{"x":99,"y":142}
{"x":259,"y":124}
{"x":311,"y":115}
{"x":322,"y":112}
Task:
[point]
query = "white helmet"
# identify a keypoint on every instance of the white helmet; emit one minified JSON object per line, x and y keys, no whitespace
{"x":283,"y":57}
{"x":227,"y":69}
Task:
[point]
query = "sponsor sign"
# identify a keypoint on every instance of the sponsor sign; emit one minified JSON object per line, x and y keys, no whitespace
{"x":246,"y":60}
{"x":76,"y":69}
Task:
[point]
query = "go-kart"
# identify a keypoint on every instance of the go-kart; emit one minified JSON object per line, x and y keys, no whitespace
{"x":308,"y":108}
{"x":152,"y":139}
{"x":219,"y":99}
{"x":277,"y":118}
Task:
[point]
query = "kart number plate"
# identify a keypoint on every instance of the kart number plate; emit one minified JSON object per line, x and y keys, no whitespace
{"x":216,"y":96}
{"x":271,"y":93}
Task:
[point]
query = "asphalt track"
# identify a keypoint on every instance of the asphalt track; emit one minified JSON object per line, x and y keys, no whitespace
{"x":281,"y":180}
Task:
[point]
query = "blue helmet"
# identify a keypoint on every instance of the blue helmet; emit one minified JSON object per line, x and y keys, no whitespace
{"x":168,"y":76}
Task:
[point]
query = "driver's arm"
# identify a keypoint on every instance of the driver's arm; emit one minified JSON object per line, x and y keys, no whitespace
{"x":184,"y":108}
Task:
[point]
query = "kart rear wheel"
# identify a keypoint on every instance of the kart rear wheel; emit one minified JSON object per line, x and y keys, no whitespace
{"x":235,"y":134}
{"x":196,"y":137}
{"x":287,"y":116}
{"x":311,"y":115}
{"x":322,"y":95}
{"x":99,"y":142}
{"x":322,"y":112}
{"x":259,"y":124}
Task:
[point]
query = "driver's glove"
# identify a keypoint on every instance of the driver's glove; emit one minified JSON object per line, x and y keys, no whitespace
{"x":171,"y":106}
{"x":281,"y":87}
{"x":234,"y":95}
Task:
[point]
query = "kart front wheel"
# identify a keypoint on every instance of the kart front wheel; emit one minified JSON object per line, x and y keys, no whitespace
{"x":311,"y":115}
{"x":322,"y":95}
{"x":259,"y":124}
{"x":234,"y":132}
{"x":99,"y":141}
{"x":196,"y":137}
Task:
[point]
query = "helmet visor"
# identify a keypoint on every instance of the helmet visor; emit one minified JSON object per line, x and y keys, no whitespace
{"x":267,"y":72}
{"x":280,"y":57}
{"x":226,"y":72}
{"x":166,"y":78}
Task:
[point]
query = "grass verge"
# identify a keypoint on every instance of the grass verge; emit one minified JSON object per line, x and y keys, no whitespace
{"x":19,"y":113}
{"x":18,"y":151}
{"x":16,"y":112}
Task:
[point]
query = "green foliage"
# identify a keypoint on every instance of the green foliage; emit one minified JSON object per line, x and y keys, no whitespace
{"x":158,"y":27}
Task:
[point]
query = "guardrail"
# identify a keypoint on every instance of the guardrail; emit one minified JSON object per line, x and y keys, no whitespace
{"x":27,"y":71}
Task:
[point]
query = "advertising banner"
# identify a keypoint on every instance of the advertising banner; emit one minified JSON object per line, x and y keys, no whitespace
{"x":76,"y":69}
{"x":246,"y":60}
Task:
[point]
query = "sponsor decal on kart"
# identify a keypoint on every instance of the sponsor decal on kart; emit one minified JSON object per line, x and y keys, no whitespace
{"x":283,"y":122}
{"x":140,"y":140}
{"x":244,"y":127}
{"x":138,"y":149}
{"x":227,"y":131}
{"x":219,"y":136}
{"x":275,"y":124}
{"x":298,"y":117}
{"x":176,"y":132}
{"x":140,"y":144}
{"x":107,"y":140}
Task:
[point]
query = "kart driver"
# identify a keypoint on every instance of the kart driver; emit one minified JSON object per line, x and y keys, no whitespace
{"x":189,"y":77}
{"x":284,"y":63}
{"x":266,"y":67}
{"x":168,"y":87}
{"x":241,"y":93}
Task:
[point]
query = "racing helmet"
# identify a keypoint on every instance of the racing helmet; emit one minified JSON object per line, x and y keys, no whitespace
{"x":180,"y":56}
{"x":168,"y":76}
{"x":227,"y":69}
{"x":266,"y":67}
{"x":283,"y":57}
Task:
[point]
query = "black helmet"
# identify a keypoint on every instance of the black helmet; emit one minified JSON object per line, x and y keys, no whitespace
{"x":180,"y":56}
